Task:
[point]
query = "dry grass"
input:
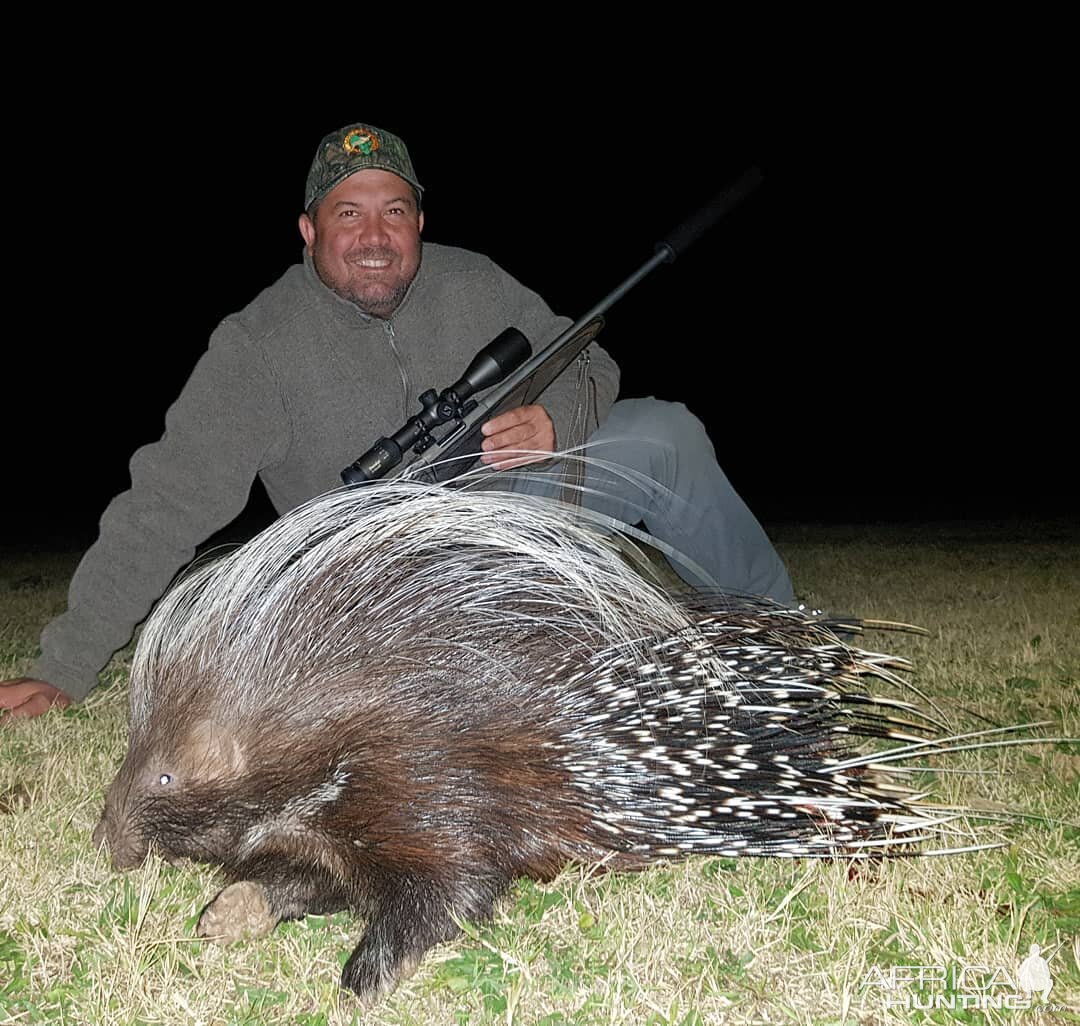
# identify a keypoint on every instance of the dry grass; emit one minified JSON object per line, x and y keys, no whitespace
{"x":709,"y":941}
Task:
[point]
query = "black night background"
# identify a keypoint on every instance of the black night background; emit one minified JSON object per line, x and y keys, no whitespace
{"x":866,"y":338}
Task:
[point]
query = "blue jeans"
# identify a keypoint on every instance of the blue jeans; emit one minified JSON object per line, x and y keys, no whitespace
{"x":652,"y":461}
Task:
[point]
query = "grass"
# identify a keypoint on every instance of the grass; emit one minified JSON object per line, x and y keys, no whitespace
{"x":703,"y":942}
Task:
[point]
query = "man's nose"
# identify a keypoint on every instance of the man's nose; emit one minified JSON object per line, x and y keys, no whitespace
{"x":373,"y":231}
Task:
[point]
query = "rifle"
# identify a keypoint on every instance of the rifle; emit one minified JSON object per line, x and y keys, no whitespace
{"x":521,"y":376}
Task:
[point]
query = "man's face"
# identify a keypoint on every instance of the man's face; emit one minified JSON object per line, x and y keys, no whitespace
{"x":365,"y":240}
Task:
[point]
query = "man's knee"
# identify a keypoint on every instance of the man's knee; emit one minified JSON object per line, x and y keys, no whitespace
{"x":660,"y":423}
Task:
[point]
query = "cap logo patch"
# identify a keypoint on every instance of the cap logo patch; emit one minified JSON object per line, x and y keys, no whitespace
{"x":361,"y":141}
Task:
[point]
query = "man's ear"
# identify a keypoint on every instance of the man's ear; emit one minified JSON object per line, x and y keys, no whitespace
{"x":307,"y":229}
{"x":419,"y":223}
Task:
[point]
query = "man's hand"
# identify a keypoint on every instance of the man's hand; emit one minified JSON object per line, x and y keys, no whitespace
{"x":27,"y":697}
{"x":527,"y":427}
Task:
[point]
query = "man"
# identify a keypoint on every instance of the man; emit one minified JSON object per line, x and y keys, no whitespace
{"x":300,"y":382}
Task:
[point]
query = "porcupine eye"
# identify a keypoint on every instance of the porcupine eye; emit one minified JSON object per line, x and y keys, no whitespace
{"x":165,"y":778}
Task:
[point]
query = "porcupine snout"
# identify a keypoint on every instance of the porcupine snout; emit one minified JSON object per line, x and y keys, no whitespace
{"x":118,"y":830}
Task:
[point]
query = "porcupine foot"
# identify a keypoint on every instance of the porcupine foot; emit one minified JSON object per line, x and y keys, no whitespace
{"x":371,"y":974}
{"x":240,"y":912}
{"x":409,"y":917}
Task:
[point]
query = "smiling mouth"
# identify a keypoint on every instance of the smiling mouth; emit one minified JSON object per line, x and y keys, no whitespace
{"x":372,"y":261}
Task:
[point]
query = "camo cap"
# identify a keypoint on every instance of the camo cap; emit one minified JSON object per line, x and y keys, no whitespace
{"x":356,"y":148}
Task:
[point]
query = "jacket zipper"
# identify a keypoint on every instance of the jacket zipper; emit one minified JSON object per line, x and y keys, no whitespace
{"x":406,"y":388}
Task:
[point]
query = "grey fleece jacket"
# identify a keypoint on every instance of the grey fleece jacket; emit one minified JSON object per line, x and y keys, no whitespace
{"x":292,"y":388}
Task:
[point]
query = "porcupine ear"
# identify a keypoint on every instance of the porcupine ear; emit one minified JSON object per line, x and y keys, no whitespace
{"x":212,"y":752}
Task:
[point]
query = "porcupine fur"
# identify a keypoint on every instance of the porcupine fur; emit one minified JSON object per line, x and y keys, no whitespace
{"x":399,"y":698}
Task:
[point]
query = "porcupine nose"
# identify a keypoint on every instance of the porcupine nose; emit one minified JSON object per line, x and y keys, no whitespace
{"x":128,"y":854}
{"x":125,"y":847}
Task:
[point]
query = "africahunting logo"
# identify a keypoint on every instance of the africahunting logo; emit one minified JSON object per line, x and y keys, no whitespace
{"x":961,"y":986}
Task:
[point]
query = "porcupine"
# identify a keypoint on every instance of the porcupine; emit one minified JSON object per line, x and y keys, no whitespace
{"x":399,"y":698}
